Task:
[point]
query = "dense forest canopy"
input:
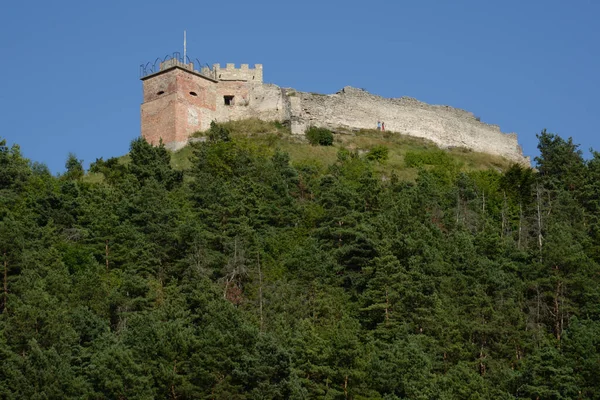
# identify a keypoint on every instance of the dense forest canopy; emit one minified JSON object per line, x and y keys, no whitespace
{"x":249,"y":276}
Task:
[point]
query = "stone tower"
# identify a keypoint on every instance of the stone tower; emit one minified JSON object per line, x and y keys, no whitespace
{"x":179,"y":100}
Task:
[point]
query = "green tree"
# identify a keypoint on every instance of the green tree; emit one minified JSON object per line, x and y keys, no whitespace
{"x":74,"y":168}
{"x":150,"y":162}
{"x":319,"y":136}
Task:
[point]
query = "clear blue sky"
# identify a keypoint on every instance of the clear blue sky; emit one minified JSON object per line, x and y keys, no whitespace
{"x":70,"y":69}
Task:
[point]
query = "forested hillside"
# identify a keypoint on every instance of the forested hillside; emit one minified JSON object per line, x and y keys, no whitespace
{"x":248,"y":276}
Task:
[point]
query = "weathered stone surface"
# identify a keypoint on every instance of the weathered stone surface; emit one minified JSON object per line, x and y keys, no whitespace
{"x":446,"y":126}
{"x":189,"y":100}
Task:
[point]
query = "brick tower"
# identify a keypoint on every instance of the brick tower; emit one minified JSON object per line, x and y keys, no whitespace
{"x":178,"y":101}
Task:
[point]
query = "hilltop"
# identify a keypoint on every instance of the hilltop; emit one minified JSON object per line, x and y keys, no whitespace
{"x":406,"y":155}
{"x":179,"y":100}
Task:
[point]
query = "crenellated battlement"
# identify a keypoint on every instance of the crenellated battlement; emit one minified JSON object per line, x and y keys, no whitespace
{"x":231,"y":73}
{"x":174,"y":62}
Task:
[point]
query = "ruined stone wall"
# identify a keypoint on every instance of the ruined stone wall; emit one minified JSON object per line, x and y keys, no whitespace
{"x":179,"y":101}
{"x":446,"y":126}
{"x":264,"y":102}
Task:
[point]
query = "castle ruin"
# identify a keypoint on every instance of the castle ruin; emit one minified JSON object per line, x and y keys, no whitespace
{"x":179,"y":100}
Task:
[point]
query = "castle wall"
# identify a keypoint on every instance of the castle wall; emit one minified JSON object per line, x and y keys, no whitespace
{"x":250,"y":101}
{"x":159,"y":108}
{"x":231,"y":73}
{"x":159,"y":117}
{"x":446,"y":126}
{"x":179,"y":101}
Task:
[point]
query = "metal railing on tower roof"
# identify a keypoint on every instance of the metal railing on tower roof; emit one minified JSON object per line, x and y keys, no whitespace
{"x":170,"y":60}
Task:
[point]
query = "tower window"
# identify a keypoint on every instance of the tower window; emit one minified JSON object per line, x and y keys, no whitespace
{"x":228,"y":100}
{"x":194,"y":93}
{"x":159,"y":93}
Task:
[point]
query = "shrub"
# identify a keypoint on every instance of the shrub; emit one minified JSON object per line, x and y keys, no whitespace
{"x":319,"y":136}
{"x":378,"y":153}
{"x":279,"y":125}
{"x":218,"y":133}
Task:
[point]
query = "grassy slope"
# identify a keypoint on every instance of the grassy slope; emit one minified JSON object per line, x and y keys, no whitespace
{"x":275,"y":135}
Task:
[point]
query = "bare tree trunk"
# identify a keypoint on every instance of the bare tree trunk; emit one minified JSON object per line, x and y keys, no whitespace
{"x":483,"y":203}
{"x":346,"y":386}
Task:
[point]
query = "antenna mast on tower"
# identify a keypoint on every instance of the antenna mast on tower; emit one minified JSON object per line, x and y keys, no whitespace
{"x":184,"y":48}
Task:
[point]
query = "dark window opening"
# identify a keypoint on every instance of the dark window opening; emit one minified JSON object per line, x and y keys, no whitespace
{"x":159,"y":93}
{"x":194,"y":93}
{"x":228,"y":100}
